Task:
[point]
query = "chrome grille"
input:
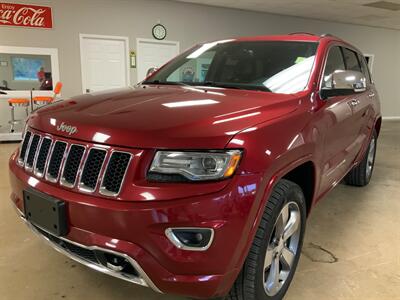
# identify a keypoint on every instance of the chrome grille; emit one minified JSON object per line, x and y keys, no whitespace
{"x":42,"y":157}
{"x":55,"y":161}
{"x":74,"y":165}
{"x":114,"y":173}
{"x":24,"y":146}
{"x":91,"y":171}
{"x":32,"y":152}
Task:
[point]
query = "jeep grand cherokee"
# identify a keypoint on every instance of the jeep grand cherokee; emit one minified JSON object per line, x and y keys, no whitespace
{"x":199,"y":180}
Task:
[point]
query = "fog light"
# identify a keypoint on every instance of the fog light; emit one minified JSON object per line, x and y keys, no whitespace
{"x":116,"y":263}
{"x":193,"y":239}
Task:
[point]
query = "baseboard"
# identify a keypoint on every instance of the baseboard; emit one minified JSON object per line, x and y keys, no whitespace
{"x":391,"y":118}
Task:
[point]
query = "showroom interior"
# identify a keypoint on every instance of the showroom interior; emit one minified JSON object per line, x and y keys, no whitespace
{"x":68,"y":48}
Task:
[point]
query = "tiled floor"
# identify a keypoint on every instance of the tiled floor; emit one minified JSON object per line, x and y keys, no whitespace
{"x":351,"y":251}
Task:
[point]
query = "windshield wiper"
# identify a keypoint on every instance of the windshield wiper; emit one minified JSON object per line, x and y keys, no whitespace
{"x":165,"y":82}
{"x":220,"y":84}
{"x":240,"y":86}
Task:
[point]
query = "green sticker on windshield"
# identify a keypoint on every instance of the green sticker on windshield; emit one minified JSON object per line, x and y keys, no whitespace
{"x":299,"y":59}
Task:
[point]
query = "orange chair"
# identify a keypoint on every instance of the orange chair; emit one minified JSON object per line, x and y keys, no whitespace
{"x":42,"y":100}
{"x":17,"y":102}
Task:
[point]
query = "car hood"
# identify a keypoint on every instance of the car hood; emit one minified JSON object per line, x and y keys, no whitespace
{"x":171,"y":117}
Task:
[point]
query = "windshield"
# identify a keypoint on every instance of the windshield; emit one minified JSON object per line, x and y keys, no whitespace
{"x":272,"y":66}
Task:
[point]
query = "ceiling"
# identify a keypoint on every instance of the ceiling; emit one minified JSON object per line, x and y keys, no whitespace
{"x":384,"y":14}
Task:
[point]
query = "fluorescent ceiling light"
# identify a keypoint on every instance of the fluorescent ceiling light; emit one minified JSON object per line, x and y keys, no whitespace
{"x":203,"y":48}
{"x":237,"y":118}
{"x":190,"y":103}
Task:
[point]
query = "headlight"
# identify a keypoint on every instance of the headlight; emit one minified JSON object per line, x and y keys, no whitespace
{"x":197,"y":166}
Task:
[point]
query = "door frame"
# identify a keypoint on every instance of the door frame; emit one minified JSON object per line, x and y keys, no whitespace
{"x":371,"y":60}
{"x":125,"y":39}
{"x":154,"y":41}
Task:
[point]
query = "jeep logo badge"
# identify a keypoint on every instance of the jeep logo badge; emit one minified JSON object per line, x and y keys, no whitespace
{"x":67,"y":128}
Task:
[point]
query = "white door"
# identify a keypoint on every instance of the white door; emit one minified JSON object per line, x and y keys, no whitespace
{"x":153,"y":53}
{"x":104,"y":62}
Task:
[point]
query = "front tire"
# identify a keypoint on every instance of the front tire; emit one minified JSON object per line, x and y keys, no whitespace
{"x":275,"y":252}
{"x":361,"y":174}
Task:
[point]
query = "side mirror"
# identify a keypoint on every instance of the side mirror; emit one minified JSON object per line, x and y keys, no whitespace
{"x":151,"y":71}
{"x":341,"y":83}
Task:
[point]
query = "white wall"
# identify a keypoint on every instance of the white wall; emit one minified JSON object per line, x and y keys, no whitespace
{"x":190,"y":24}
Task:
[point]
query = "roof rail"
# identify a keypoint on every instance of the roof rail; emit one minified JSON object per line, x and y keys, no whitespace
{"x":330,"y":35}
{"x":300,"y":32}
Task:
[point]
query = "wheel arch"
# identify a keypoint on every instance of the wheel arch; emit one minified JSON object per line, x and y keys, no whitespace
{"x":304,"y":176}
{"x":378,"y":124}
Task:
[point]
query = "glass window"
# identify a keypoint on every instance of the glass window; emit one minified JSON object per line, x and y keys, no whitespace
{"x":272,"y":66}
{"x":351,"y":59}
{"x":20,"y":72}
{"x":26,"y":68}
{"x":194,"y":70}
{"x":334,"y":62}
{"x":364,"y":67}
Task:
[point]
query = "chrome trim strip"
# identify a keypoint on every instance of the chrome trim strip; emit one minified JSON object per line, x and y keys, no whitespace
{"x":102,"y":189}
{"x":48,"y":177}
{"x":53,"y":143}
{"x":26,"y":167}
{"x":63,"y":160}
{"x":142,"y":280}
{"x":19,"y":161}
{"x":22,"y":163}
{"x":63,"y":182}
{"x":177,"y":243}
{"x":81,"y":186}
{"x":37,"y":153}
{"x":35,"y":170}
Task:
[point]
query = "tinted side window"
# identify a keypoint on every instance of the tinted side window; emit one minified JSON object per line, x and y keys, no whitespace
{"x":364,"y":67}
{"x":351,"y":59}
{"x":334,"y":62}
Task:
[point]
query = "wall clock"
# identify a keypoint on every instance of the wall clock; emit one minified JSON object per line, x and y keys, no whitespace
{"x":159,"y":32}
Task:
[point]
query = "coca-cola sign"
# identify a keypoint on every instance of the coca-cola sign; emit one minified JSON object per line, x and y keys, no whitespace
{"x":24,"y":15}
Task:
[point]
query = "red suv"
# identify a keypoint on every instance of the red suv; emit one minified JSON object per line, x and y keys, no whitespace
{"x":199,"y":180}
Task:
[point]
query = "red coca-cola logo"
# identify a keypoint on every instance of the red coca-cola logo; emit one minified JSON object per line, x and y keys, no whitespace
{"x":25,"y":15}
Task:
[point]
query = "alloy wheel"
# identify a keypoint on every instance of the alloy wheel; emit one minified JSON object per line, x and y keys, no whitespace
{"x":282,"y":248}
{"x":371,"y":157}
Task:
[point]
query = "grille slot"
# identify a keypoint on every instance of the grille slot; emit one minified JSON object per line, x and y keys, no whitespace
{"x":91,"y":171}
{"x":81,"y":252}
{"x":115,"y":173}
{"x":55,"y":161}
{"x":72,"y":164}
{"x":42,"y":157}
{"x":32,"y":152}
{"x":24,"y":147}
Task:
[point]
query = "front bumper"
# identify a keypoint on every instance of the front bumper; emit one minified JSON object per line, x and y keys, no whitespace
{"x":136,"y":231}
{"x":86,"y":255}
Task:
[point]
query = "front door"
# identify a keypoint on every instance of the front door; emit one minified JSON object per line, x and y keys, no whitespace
{"x":104,"y":62}
{"x":363,"y":113}
{"x":337,"y":128}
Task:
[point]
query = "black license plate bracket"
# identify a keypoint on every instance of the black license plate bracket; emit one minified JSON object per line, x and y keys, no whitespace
{"x":45,"y":212}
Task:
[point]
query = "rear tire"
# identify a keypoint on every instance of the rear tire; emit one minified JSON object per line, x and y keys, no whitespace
{"x":361,"y":174}
{"x":275,"y":252}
